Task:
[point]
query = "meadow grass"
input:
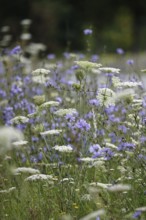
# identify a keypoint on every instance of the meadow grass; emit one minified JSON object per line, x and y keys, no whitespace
{"x":81,"y":153}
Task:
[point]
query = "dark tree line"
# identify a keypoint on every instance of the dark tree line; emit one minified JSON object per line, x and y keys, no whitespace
{"x":60,"y":23}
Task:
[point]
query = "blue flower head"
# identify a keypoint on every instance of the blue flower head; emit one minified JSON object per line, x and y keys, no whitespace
{"x":94,"y":148}
{"x":82,"y":125}
{"x":120,"y":51}
{"x":16,"y":50}
{"x":130,"y":62}
{"x":107,"y":153}
{"x":137,"y":214}
{"x":88,"y":31}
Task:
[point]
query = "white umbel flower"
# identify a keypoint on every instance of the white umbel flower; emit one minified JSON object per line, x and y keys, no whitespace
{"x":143,"y":71}
{"x":115,"y":81}
{"x":137,"y":104}
{"x":25,"y":36}
{"x":86,"y":197}
{"x":40,"y":72}
{"x":131,"y":117}
{"x":71,"y":180}
{"x":26,"y":22}
{"x":127,"y":92}
{"x":20,"y":143}
{"x":29,"y":170}
{"x":35,"y":48}
{"x":96,"y":71}
{"x":40,"y":79}
{"x":40,"y":177}
{"x":119,"y":187}
{"x":87,"y":64}
{"x":49,"y":104}
{"x":63,"y":148}
{"x":51,"y":132}
{"x":19,"y":119}
{"x":138,"y":101}
{"x":87,"y":159}
{"x":142,"y":209}
{"x":7,"y":136}
{"x":109,"y":70}
{"x":102,"y":185}
{"x":5,"y":29}
{"x":106,"y":97}
{"x":63,"y":112}
{"x":8,"y":190}
{"x":129,"y":84}
{"x":32,"y":115}
{"x":110,"y":145}
{"x":98,"y":163}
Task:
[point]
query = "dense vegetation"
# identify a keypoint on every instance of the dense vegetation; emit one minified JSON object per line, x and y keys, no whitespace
{"x":72,"y":135}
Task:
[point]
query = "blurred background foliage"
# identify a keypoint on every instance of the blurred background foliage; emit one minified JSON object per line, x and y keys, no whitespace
{"x":60,"y":23}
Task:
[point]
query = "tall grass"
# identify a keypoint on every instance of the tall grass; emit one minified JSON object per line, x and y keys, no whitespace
{"x":84,"y":136}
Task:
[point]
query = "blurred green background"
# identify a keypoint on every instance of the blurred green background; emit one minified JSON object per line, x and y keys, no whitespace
{"x":60,"y":23}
